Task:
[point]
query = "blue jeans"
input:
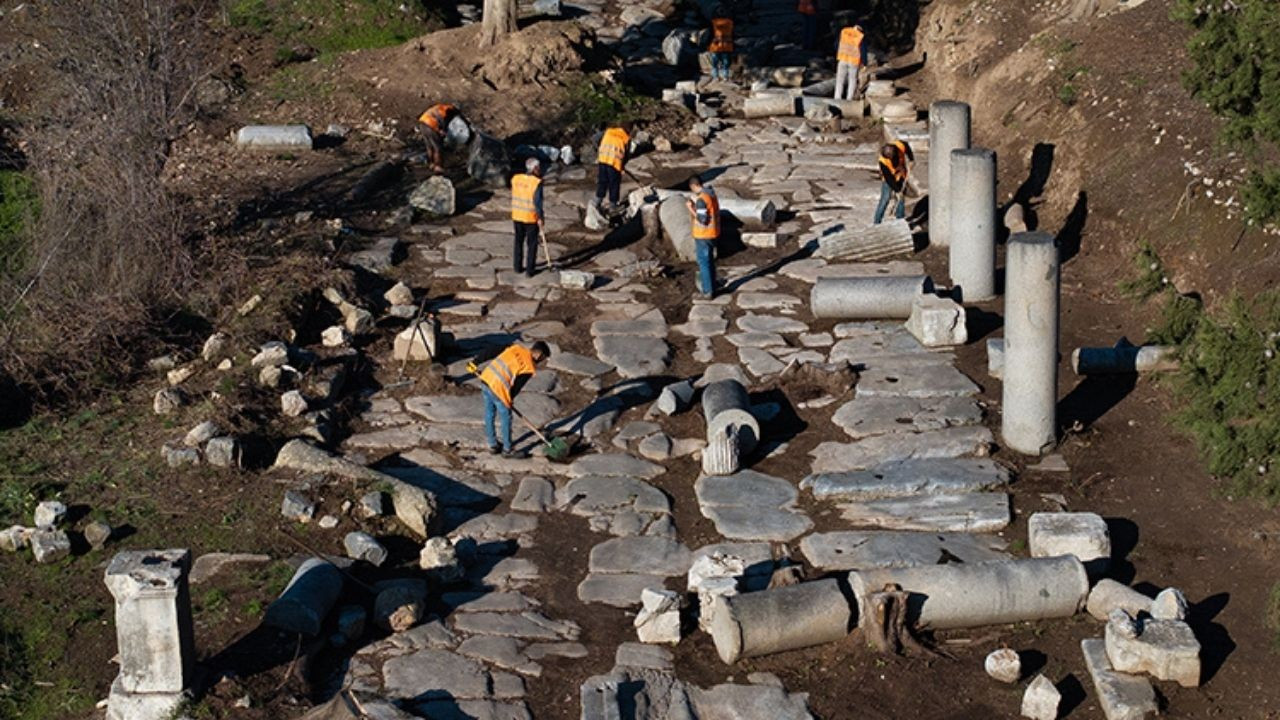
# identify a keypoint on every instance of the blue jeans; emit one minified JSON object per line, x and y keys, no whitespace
{"x":706,"y":266}
{"x":720,"y":65}
{"x":492,"y":406}
{"x":886,"y":194}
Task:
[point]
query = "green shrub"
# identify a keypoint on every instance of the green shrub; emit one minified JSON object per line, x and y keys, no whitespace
{"x":330,"y":26}
{"x":1150,"y":278}
{"x":593,"y":102}
{"x":1261,"y":196}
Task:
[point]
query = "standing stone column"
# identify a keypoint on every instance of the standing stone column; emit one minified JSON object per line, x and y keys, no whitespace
{"x":973,"y":223}
{"x":1029,"y":423}
{"x":948,"y":130}
{"x":154,"y":633}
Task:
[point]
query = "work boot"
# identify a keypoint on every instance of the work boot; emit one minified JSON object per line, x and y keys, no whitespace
{"x":495,"y":450}
{"x":515,"y":454}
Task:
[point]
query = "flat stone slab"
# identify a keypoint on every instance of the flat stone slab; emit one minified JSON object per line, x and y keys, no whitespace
{"x":534,"y":495}
{"x":432,"y":674}
{"x":758,"y":523}
{"x":757,"y":556}
{"x":451,"y":488}
{"x":893,"y":347}
{"x":760,"y":363}
{"x":756,"y":339}
{"x":766,"y":301}
{"x":853,"y":550}
{"x":703,"y":328}
{"x":615,"y":465}
{"x":646,"y":328}
{"x":916,"y":381}
{"x":756,"y":702}
{"x":868,"y":416}
{"x":634,"y":356}
{"x":597,"y":494}
{"x":495,"y":526}
{"x":643,"y":555}
{"x":923,"y":476}
{"x":1122,"y":697}
{"x":752,"y":323}
{"x":975,"y":512}
{"x":575,"y":364}
{"x":747,"y":488}
{"x":487,"y":601}
{"x":504,"y":652}
{"x":469,"y":409}
{"x":617,"y":590}
{"x":751,"y":506}
{"x":870,"y":452}
{"x":528,"y":625}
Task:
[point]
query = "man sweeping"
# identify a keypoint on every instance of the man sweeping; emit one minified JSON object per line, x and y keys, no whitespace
{"x":432,"y":125}
{"x":502,"y":380}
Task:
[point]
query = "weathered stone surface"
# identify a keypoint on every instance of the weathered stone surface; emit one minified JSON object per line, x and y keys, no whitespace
{"x":535,"y":495}
{"x":1170,"y":604}
{"x":760,"y":363}
{"x":614,"y":465}
{"x":869,"y":416}
{"x":436,"y":196}
{"x":656,"y":447}
{"x":634,"y":356}
{"x":617,"y":590}
{"x":937,"y":321}
{"x":768,"y":324}
{"x":756,"y":339}
{"x":853,"y":550}
{"x":642,"y":555}
{"x":504,"y":652}
{"x":751,"y":506}
{"x":401,"y":605}
{"x":49,"y":514}
{"x":900,"y":478}
{"x":296,"y":506}
{"x":14,"y":538}
{"x":871,"y":452}
{"x":529,"y":625}
{"x":1084,"y":535}
{"x":1109,"y":595}
{"x":1164,"y":649}
{"x":49,"y":545}
{"x":376,"y":258}
{"x":658,"y":621}
{"x":1004,"y":665}
{"x":435,"y":674}
{"x":747,"y":488}
{"x":1041,"y":700}
{"x":1122,"y":696}
{"x":730,"y":702}
{"x":924,"y":381}
{"x":976,"y":512}
{"x":592,"y":495}
{"x":210,"y":564}
{"x":363,"y":546}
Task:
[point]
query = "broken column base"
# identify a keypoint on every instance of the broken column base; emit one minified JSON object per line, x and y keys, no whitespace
{"x":784,"y":618}
{"x":1165,"y":649}
{"x":122,"y":705}
{"x":937,"y":321}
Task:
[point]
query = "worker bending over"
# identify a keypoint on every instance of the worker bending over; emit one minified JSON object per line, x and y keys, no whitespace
{"x":610,"y":162}
{"x":432,"y":125}
{"x":526,"y":215}
{"x":704,"y":213}
{"x":502,"y":380}
{"x":895,"y":167}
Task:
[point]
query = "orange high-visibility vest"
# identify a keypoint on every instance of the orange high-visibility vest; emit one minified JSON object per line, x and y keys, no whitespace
{"x":899,"y":170}
{"x":437,"y":116}
{"x":501,"y":372}
{"x":613,"y":148}
{"x":806,"y":7}
{"x":850,"y":46}
{"x":722,"y":35}
{"x":710,"y":230}
{"x":523,"y":189}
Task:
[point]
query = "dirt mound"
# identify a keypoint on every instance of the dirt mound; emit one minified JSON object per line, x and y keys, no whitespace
{"x":536,"y":54}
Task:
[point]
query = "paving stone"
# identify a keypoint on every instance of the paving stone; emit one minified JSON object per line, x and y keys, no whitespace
{"x":397,"y":438}
{"x":751,"y":506}
{"x":926,"y":476}
{"x":434,"y":674}
{"x":488,"y":601}
{"x":756,"y":339}
{"x":756,"y":523}
{"x":817,"y":340}
{"x":752,"y":323}
{"x":766,"y":301}
{"x":535,"y":495}
{"x":593,"y":494}
{"x":703,"y":328}
{"x":642,"y":555}
{"x":578,"y":364}
{"x":509,"y":572}
{"x":634,"y":356}
{"x":728,"y":702}
{"x":656,"y":447}
{"x":528,"y":625}
{"x":716,"y":372}
{"x":975,"y":512}
{"x":1122,"y":696}
{"x":919,"y":381}
{"x":868,"y":416}
{"x":572,"y":650}
{"x":873,"y":451}
{"x":615,"y":465}
{"x":853,"y":550}
{"x":760,"y":363}
{"x":494,"y":526}
{"x":645,"y":328}
{"x":633,"y":431}
{"x":617,"y":590}
{"x":451,"y":488}
{"x":503,"y":652}
{"x":641,"y":655}
{"x":746,"y":488}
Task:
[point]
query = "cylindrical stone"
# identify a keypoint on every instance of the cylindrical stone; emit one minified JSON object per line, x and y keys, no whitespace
{"x":759,"y":214}
{"x":966,"y":595}
{"x":1124,"y":360}
{"x":725,"y":404}
{"x":948,"y":130}
{"x":307,"y":599}
{"x":154,"y":633}
{"x":881,"y":297}
{"x":768,"y":105}
{"x":973,"y":223}
{"x":784,"y":618}
{"x":1030,"y":397}
{"x":721,"y":455}
{"x":274,"y":137}
{"x":1109,"y":595}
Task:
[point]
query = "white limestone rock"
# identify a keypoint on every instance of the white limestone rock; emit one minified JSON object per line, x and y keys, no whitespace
{"x":658,"y":621}
{"x":1041,"y":700}
{"x":1004,"y":665}
{"x":937,"y":321}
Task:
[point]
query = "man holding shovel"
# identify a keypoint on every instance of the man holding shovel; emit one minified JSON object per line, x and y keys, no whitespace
{"x":527,"y":217}
{"x":503,"y":378}
{"x":896,"y":159}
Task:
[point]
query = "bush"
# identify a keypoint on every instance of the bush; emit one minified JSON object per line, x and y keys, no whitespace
{"x":593,"y":102}
{"x":1261,"y":197}
{"x":1150,"y":278}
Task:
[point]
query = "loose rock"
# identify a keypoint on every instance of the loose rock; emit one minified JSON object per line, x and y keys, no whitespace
{"x":1004,"y":665}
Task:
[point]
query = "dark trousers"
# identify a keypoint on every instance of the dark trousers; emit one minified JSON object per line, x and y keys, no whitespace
{"x":608,"y":180}
{"x":525,"y":248}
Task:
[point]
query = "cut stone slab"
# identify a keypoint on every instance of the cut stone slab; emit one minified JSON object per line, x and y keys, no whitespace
{"x":758,"y":523}
{"x":615,"y":465}
{"x":1165,"y":649}
{"x":534,"y":495}
{"x":868,"y":416}
{"x":504,"y":652}
{"x":927,"y":381}
{"x":1082,"y":534}
{"x":484,"y":601}
{"x":766,"y":301}
{"x":528,"y":625}
{"x":756,"y":339}
{"x":432,"y":674}
{"x":734,"y":702}
{"x":643,"y":555}
{"x":752,"y":323}
{"x":926,"y":476}
{"x":852,"y":550}
{"x":594,"y":494}
{"x":632,"y":431}
{"x":639,"y":655}
{"x":760,"y":363}
{"x":634,"y":356}
{"x":645,"y":328}
{"x":745,"y":489}
{"x":578,"y":364}
{"x":1122,"y":697}
{"x":617,"y":590}
{"x":976,"y":512}
{"x":870,"y":452}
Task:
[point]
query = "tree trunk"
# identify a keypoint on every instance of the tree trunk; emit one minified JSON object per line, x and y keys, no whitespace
{"x":499,"y":20}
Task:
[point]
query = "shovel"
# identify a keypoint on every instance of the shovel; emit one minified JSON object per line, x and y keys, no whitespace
{"x":546,"y":250}
{"x":554,"y":449}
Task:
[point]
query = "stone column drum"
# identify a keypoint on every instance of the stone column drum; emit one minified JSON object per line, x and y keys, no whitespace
{"x":1029,"y":422}
{"x":973,"y":223}
{"x":948,"y":130}
{"x":879,"y":297}
{"x":154,"y":632}
{"x":726,"y":405}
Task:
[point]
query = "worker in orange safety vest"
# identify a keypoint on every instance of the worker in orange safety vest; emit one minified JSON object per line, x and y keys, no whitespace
{"x":851,"y":57}
{"x":895,"y":167}
{"x":721,"y":45}
{"x":609,"y":163}
{"x":501,"y":380}
{"x":526,"y":216}
{"x":704,"y":221}
{"x":432,"y":126}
